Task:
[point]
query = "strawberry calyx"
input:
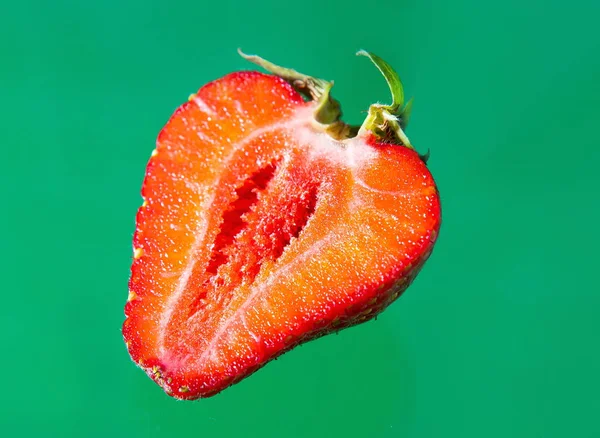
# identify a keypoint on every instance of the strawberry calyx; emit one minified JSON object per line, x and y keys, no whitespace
{"x":385,"y":122}
{"x":328,"y":112}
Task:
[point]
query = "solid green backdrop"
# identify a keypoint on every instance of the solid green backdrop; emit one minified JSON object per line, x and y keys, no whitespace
{"x":498,"y":337}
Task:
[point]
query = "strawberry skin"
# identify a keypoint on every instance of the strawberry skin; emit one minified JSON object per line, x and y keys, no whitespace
{"x":259,"y":232}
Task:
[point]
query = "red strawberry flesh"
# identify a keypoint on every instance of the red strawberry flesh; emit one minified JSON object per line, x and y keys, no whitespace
{"x":259,"y":232}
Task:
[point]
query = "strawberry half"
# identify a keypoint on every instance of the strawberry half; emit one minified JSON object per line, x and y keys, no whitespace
{"x":268,"y":222}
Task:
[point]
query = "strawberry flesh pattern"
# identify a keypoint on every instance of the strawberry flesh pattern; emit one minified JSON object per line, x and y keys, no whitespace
{"x":258,"y":233}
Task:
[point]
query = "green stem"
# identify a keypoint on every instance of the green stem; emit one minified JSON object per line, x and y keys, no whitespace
{"x":328,"y":109}
{"x":387,"y":121}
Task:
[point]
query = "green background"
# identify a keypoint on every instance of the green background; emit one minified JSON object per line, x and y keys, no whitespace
{"x":498,"y":337}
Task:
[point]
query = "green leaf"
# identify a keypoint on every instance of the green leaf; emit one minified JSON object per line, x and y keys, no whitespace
{"x":391,"y":77}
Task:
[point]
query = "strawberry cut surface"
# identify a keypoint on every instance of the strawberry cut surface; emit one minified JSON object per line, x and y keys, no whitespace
{"x":259,"y":231}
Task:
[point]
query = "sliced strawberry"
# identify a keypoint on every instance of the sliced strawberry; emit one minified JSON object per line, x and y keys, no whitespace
{"x":259,"y":231}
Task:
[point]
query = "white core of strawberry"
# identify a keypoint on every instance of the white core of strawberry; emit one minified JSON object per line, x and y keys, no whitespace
{"x":351,"y":153}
